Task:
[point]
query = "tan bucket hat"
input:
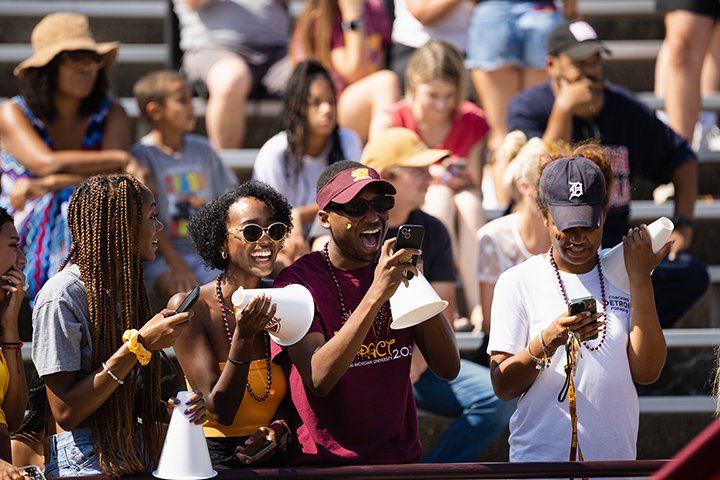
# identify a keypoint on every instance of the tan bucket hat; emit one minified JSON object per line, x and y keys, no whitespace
{"x":64,"y":31}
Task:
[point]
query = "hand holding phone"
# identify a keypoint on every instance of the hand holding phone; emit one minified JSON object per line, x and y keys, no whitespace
{"x":584,"y":304}
{"x":32,"y":472}
{"x":189,"y":301}
{"x":409,"y":236}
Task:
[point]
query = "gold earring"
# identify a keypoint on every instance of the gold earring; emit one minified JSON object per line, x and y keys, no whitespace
{"x":557,"y":236}
{"x":348,"y":226}
{"x":223,"y":254}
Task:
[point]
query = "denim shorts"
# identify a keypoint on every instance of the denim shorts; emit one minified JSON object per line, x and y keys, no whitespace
{"x":510,"y":33}
{"x":72,"y":454}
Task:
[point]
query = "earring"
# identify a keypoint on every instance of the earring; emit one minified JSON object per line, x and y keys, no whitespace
{"x":348,"y":226}
{"x":223,"y":254}
{"x":557,"y":236}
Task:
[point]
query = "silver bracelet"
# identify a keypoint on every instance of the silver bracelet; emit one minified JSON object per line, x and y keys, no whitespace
{"x":112,"y":375}
{"x":540,"y":363}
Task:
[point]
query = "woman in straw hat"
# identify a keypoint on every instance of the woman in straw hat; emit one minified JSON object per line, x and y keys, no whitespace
{"x":62,"y":128}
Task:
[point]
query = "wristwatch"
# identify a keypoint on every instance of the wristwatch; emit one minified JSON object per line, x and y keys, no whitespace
{"x":682,"y":221}
{"x":354,"y":25}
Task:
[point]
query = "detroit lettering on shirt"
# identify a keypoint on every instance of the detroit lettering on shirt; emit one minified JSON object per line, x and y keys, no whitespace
{"x":369,"y":416}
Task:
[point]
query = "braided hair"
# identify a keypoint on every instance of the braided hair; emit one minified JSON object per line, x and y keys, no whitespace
{"x":293,"y":120}
{"x":104,"y":218}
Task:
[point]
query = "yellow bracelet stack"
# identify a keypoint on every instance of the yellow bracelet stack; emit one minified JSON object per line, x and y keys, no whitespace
{"x":130,"y":337}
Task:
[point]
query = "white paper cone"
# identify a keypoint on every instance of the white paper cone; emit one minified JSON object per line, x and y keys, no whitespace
{"x":295,"y":311}
{"x":613,"y":259}
{"x":415,"y":303}
{"x":185,"y":454}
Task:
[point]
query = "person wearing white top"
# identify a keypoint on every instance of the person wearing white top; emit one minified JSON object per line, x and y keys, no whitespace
{"x":531,"y":324}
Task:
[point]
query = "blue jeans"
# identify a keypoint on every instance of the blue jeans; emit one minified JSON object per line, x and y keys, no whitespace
{"x":504,"y":32}
{"x":72,"y":454}
{"x":480,"y":417}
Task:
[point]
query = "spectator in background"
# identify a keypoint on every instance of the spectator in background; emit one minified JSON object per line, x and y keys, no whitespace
{"x":238,"y":49}
{"x":506,"y":54}
{"x":60,"y":129}
{"x":687,"y":64}
{"x":603,"y":356}
{"x":186,"y":174}
{"x":225,"y":353}
{"x":13,"y":386}
{"x":435,"y":108}
{"x":350,"y":375}
{"x":95,"y":343}
{"x":418,"y":21}
{"x":309,"y":140}
{"x":577,"y":105}
{"x":402,"y":159}
{"x":513,"y":238}
{"x":350,"y":39}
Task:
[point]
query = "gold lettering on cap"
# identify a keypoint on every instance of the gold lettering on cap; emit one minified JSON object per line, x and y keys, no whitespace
{"x":360,"y":174}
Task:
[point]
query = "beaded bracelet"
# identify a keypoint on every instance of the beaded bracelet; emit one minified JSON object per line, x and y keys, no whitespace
{"x":112,"y":375}
{"x":11,"y":345}
{"x":131,"y":339}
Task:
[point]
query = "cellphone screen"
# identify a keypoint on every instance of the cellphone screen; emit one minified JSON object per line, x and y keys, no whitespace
{"x":33,"y":472}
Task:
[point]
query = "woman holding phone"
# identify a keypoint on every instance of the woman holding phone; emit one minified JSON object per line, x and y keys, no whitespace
{"x":226,"y":352}
{"x":545,"y":355}
{"x":95,"y":343}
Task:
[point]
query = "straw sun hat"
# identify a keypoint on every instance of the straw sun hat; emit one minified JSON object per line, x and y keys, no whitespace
{"x":63,"y":31}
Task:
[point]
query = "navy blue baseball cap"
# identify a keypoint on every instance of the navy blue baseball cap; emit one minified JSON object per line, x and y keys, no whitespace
{"x":574,"y":189}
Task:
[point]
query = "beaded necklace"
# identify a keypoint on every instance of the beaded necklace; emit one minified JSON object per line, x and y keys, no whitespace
{"x":224,"y":310}
{"x":381,"y":318}
{"x":561,"y":284}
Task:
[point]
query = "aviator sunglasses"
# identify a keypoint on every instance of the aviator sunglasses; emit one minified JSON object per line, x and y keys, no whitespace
{"x":253,"y":232}
{"x":359,"y":206}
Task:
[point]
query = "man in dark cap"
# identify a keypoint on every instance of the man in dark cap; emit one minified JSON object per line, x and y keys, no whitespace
{"x":350,"y":375}
{"x":577,"y":105}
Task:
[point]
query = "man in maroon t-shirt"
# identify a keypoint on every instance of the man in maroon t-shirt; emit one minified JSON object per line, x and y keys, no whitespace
{"x":350,"y":373}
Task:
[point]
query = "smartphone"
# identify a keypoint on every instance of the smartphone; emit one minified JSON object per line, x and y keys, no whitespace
{"x":189,"y":300}
{"x":258,"y":448}
{"x":32,"y":472}
{"x":409,"y":236}
{"x":584,"y":304}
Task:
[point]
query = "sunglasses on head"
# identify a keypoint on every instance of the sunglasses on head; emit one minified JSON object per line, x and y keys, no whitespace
{"x":359,"y":206}
{"x":253,"y":232}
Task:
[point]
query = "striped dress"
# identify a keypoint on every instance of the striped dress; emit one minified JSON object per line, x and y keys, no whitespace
{"x":42,"y":224}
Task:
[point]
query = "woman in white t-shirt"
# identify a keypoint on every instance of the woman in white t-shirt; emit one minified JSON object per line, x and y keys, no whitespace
{"x":531,"y":325}
{"x":309,"y":140}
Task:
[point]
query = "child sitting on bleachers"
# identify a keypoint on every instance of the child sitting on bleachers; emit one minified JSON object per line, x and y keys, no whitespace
{"x":186,"y":172}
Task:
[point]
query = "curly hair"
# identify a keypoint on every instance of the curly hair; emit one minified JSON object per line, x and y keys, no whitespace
{"x":38,"y":86}
{"x":208,"y":227}
{"x":293,"y":120}
{"x":591,"y":151}
{"x":104,"y":218}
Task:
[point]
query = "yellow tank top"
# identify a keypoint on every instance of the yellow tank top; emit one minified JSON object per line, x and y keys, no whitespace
{"x":5,"y":384}
{"x":252,"y":414}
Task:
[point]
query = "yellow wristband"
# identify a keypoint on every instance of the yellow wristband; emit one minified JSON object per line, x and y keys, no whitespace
{"x":130,"y":337}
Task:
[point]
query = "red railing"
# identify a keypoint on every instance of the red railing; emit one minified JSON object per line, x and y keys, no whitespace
{"x":616,"y":469}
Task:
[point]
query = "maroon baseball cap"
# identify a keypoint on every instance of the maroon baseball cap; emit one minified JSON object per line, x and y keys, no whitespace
{"x":574,"y":189}
{"x":344,"y":186}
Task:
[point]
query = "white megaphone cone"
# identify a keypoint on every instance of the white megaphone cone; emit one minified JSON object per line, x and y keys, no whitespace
{"x":613,"y":259}
{"x":294,"y":314}
{"x":185,"y":453}
{"x":415,"y":303}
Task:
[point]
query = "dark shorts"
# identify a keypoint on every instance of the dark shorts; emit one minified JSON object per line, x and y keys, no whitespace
{"x":260,"y":60}
{"x":709,"y":8}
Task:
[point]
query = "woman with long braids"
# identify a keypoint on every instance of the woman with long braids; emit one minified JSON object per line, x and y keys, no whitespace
{"x":94,"y":341}
{"x":574,"y":371}
{"x":225,"y":354}
{"x":309,"y":140}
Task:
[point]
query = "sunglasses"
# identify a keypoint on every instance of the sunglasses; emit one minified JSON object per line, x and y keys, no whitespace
{"x":81,"y":58}
{"x":253,"y":232}
{"x":359,"y":206}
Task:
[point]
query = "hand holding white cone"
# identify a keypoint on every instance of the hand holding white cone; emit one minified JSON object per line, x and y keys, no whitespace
{"x":294,"y":314}
{"x":415,"y":303}
{"x":613,"y":259}
{"x":185,"y":453}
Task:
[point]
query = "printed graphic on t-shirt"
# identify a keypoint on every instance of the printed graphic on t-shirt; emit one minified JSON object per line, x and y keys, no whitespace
{"x":186,"y":192}
{"x":619,"y":303}
{"x":619,"y":158}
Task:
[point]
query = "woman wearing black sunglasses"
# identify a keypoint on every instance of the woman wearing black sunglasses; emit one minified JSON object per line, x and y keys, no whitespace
{"x":225,"y":353}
